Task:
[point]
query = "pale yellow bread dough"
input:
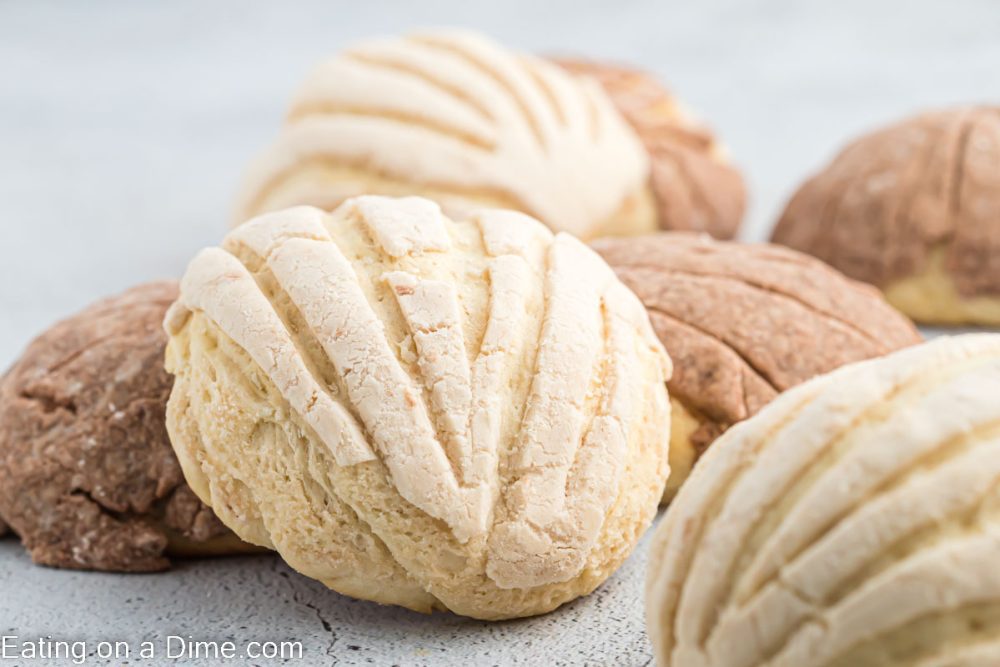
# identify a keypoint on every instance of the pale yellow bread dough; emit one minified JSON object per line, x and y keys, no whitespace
{"x":435,"y":414}
{"x":930,"y":297}
{"x":853,"y":522}
{"x":326,"y":184}
{"x":453,"y":116}
{"x":683,"y":424}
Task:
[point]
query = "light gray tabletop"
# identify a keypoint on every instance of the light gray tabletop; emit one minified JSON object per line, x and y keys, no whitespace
{"x":123,"y":130}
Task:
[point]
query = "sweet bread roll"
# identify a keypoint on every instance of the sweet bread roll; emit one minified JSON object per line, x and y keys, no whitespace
{"x":853,"y":522}
{"x":913,"y":208}
{"x":742,"y":323}
{"x":87,"y":476}
{"x":454,"y":116}
{"x":465,"y":415}
{"x":695,"y":186}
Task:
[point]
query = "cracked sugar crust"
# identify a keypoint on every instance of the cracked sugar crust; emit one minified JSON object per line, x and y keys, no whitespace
{"x":455,"y":117}
{"x":87,"y":476}
{"x":917,"y":198}
{"x":758,"y":318}
{"x":466,"y":415}
{"x":853,"y":521}
{"x":743,"y":323}
{"x":695,"y":186}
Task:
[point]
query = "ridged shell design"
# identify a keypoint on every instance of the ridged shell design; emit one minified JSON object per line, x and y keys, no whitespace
{"x":481,"y":402}
{"x":743,"y":323}
{"x":893,"y":198}
{"x":456,"y":117}
{"x":854,"y":521}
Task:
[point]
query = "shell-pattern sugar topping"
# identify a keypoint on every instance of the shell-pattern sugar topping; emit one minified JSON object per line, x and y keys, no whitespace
{"x":854,"y":521}
{"x":453,"y":113}
{"x":496,"y":371}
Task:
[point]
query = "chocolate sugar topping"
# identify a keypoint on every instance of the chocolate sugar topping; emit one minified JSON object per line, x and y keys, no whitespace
{"x":743,"y":323}
{"x":695,"y":187}
{"x":890,"y":198}
{"x":88,"y":479}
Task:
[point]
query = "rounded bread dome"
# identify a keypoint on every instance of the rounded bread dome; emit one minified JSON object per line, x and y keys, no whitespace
{"x":853,"y":521}
{"x":453,"y":116}
{"x":88,"y":479}
{"x":913,"y":208}
{"x":743,"y":323}
{"x":467,"y":415}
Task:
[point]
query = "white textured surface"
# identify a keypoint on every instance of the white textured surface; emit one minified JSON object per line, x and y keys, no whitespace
{"x":123,"y":130}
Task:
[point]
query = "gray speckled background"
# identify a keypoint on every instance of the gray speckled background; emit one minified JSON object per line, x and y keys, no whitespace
{"x":260,"y":598}
{"x":123,"y":129}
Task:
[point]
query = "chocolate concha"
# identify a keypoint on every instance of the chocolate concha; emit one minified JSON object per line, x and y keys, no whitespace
{"x":913,"y":208}
{"x":88,"y":479}
{"x":742,"y":323}
{"x":695,"y":185}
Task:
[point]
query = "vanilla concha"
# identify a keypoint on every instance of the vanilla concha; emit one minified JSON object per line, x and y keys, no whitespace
{"x":466,"y":415}
{"x":456,"y":117}
{"x":852,"y":522}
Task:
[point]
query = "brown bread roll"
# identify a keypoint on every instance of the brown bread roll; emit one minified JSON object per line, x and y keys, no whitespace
{"x":88,"y":479}
{"x":913,"y":208}
{"x":742,"y":323}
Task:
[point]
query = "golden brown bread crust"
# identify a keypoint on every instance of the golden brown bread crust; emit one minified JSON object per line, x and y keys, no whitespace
{"x":890,"y":199}
{"x":743,"y":323}
{"x":87,"y":475}
{"x":695,"y":186}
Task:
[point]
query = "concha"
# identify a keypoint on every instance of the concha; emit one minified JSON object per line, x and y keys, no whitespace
{"x":854,"y":521}
{"x":467,"y":415}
